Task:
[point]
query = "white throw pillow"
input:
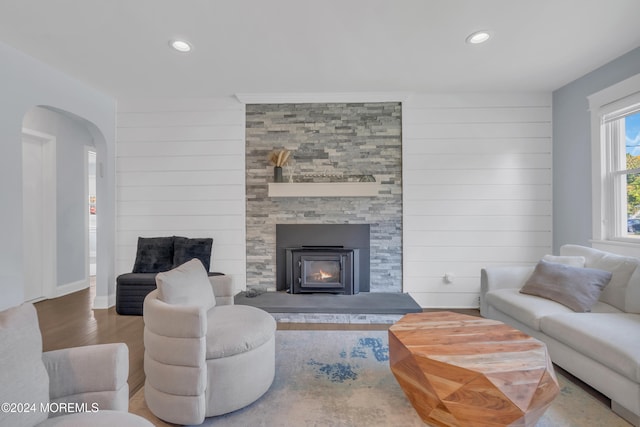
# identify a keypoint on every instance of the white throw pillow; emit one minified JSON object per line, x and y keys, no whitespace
{"x":622,"y":268}
{"x":574,"y":261}
{"x":187,"y":284}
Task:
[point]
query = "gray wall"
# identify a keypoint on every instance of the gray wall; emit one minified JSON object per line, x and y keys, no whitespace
{"x":347,"y":139}
{"x":572,"y":149}
{"x":24,"y":84}
{"x":71,"y":138}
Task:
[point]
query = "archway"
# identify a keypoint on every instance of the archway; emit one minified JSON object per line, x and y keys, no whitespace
{"x":73,"y":135}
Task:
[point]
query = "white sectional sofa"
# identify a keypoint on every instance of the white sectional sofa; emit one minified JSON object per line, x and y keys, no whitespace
{"x":601,"y":347}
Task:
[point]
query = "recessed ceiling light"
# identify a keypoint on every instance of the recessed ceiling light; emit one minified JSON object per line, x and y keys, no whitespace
{"x":479,"y":37}
{"x":180,"y":45}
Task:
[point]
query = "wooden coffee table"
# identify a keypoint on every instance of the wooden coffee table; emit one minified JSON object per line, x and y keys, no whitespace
{"x":460,"y":370}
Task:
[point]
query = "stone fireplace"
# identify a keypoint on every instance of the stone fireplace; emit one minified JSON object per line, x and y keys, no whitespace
{"x":328,"y":142}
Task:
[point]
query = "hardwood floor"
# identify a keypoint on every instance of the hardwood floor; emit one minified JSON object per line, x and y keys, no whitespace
{"x":69,"y":321}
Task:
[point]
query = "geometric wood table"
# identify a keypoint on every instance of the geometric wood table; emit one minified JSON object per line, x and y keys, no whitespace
{"x":459,"y":370}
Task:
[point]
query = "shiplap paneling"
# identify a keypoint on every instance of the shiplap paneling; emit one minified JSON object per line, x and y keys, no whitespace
{"x":479,"y":207}
{"x":482,"y":176}
{"x":218,"y":147}
{"x":194,"y":162}
{"x":180,"y":171}
{"x":479,"y":222}
{"x":465,"y":161}
{"x":476,"y":184}
{"x":477,"y":190}
{"x":178,"y":192}
{"x":457,"y":145}
{"x":185,"y":177}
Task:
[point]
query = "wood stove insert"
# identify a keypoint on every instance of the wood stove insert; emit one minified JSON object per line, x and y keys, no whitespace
{"x":333,"y":269}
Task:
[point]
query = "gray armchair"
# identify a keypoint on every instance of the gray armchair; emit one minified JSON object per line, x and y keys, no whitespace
{"x":70,"y":387}
{"x":204,"y":356}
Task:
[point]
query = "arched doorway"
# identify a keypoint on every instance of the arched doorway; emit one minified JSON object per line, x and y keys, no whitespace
{"x":69,"y":219}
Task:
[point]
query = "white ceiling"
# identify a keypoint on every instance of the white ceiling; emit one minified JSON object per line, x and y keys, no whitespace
{"x":300,"y":46}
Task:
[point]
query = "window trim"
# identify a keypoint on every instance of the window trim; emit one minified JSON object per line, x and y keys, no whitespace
{"x":601,"y":105}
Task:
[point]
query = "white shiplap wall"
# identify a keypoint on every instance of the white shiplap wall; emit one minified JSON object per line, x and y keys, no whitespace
{"x":180,"y":171}
{"x":476,"y":184}
{"x":477,"y":190}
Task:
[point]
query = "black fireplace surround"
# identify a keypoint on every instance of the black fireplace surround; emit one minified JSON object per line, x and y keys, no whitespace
{"x":313,"y":258}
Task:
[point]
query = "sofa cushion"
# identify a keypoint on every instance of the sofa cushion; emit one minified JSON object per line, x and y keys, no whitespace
{"x":234,"y":329}
{"x":605,"y":337}
{"x":23,"y":377}
{"x":527,"y":309}
{"x":632,"y":298}
{"x":137,"y":279}
{"x":154,"y":254}
{"x":187,"y":284}
{"x":577,"y":288}
{"x":622,"y":268}
{"x":185,"y":249}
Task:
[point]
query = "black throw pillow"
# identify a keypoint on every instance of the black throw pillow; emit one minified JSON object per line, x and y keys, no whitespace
{"x":155,"y":254}
{"x":185,"y":249}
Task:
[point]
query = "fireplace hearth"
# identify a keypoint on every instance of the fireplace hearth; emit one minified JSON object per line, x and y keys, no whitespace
{"x":334,"y":269}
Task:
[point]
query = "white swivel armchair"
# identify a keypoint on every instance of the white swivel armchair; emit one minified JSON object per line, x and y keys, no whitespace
{"x":203,"y":358}
{"x":80,"y":386}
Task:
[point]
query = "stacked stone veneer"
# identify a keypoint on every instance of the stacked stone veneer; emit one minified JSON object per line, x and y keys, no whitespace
{"x":329,"y":142}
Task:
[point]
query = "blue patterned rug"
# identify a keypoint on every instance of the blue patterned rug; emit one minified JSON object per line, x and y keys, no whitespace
{"x":342,"y":379}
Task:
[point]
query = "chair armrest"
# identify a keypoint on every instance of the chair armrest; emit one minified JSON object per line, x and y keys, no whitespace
{"x":95,"y":374}
{"x":493,"y":278}
{"x":222,"y":289}
{"x":172,"y":320}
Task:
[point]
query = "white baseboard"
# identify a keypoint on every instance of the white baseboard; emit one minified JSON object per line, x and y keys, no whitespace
{"x":70,"y":288}
{"x":103,"y":302}
{"x":99,"y":302}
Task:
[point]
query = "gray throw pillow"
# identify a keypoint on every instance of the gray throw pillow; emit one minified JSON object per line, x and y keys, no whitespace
{"x":574,"y":287}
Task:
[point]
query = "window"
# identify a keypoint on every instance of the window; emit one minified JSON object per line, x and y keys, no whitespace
{"x":622,"y":143}
{"x":615,"y":117}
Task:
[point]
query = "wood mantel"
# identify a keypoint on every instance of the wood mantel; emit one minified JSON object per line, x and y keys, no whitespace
{"x":324,"y":189}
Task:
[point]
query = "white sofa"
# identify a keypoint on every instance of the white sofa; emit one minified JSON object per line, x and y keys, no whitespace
{"x":81,"y":386}
{"x":600,"y":347}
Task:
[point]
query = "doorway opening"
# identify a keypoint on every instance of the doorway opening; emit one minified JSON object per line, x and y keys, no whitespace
{"x":91,"y":216}
{"x":39,"y":214}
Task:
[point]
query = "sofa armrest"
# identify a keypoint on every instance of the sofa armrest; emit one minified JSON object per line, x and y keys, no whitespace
{"x":94,"y":375}
{"x":172,"y":320}
{"x":493,"y":278}
{"x":222,"y":289}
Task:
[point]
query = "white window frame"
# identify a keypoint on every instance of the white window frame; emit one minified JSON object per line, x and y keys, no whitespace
{"x":606,"y":201}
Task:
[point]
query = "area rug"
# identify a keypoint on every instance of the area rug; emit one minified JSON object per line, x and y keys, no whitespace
{"x":342,"y":379}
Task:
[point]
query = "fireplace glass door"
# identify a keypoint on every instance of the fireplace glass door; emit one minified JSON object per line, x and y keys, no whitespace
{"x":321,"y":272}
